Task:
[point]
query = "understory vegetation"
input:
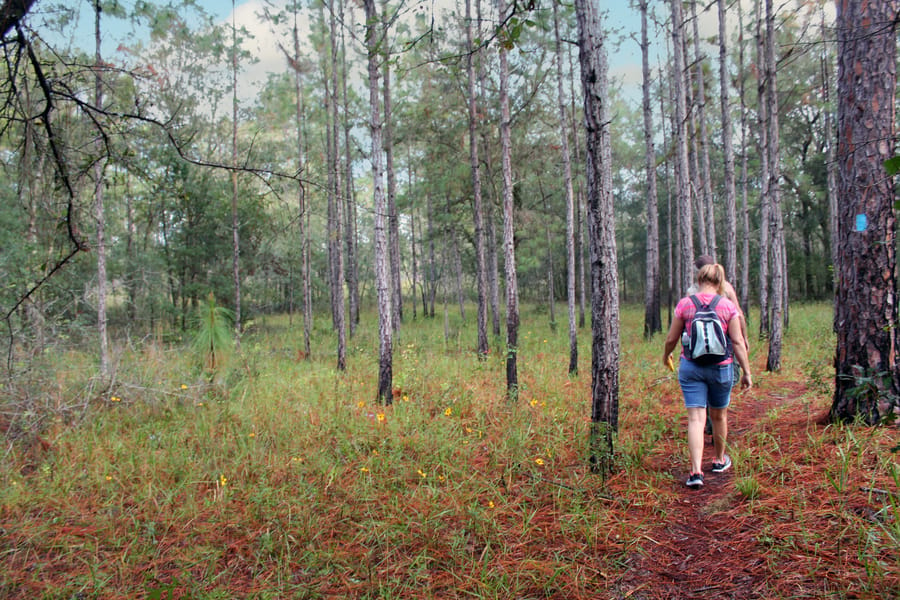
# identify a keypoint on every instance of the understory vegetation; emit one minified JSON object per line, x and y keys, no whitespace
{"x":276,"y":476}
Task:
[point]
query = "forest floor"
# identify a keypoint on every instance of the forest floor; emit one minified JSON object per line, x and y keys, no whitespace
{"x":788,"y":545}
{"x":286,"y":481}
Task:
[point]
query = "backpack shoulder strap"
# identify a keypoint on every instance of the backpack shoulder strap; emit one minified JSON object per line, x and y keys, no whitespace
{"x":696,"y":301}
{"x":712,"y":303}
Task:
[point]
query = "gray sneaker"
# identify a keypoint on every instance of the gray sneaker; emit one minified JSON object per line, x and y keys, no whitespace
{"x":695,"y":480}
{"x":719,"y":467}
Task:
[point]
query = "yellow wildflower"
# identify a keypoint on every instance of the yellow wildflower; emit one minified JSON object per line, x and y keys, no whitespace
{"x":539,"y":462}
{"x":380,"y":417}
{"x":490,"y":504}
{"x":364,"y":470}
{"x":448,"y":412}
{"x":183,"y":386}
{"x":222,"y":480}
{"x":422,"y":474}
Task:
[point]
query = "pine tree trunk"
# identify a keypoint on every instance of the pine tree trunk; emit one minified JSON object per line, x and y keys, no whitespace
{"x":337,"y":201}
{"x":671,"y":263}
{"x":393,"y":215}
{"x":703,"y":142}
{"x":604,"y":279}
{"x":727,"y":151}
{"x":382,"y":268}
{"x":551,"y":295}
{"x":764,"y":179}
{"x":509,"y":245}
{"x":830,"y":156}
{"x":432,"y":262}
{"x":744,"y":292}
{"x":571,"y":230}
{"x":580,"y":225}
{"x":477,"y":208}
{"x":235,"y":223}
{"x":682,"y":191}
{"x":457,"y":265}
{"x":677,"y":211}
{"x":351,"y":272}
{"x":779,"y":262}
{"x":493,"y":273}
{"x":302,"y":217}
{"x":866,"y":378}
{"x":99,"y":212}
{"x":652,"y":321}
{"x":490,"y":230}
{"x":693,"y":147}
{"x":415,"y":267}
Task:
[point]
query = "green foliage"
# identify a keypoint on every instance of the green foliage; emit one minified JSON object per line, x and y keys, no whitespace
{"x":214,"y":337}
{"x":872,"y":391}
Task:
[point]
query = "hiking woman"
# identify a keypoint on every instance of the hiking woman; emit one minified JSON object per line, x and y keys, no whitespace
{"x":707,"y":386}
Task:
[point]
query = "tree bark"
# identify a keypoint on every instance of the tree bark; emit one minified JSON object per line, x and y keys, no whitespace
{"x":671,"y":263}
{"x":830,"y":156}
{"x":382,"y":271}
{"x":301,"y":196}
{"x":351,"y":271}
{"x":393,"y":215}
{"x":762,"y":99}
{"x":866,"y":377}
{"x":336,"y":201}
{"x":509,"y":245}
{"x":235,"y":222}
{"x":682,"y":192}
{"x":727,"y":151}
{"x":652,"y":320}
{"x":703,"y":143}
{"x":779,"y":262}
{"x":457,"y":264}
{"x":604,"y":279}
{"x":99,"y":211}
{"x":432,"y":262}
{"x":477,"y":208}
{"x":571,"y":231}
{"x":490,"y":230}
{"x":744,"y":291}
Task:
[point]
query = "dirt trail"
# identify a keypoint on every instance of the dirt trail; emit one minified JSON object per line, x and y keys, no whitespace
{"x":707,"y":543}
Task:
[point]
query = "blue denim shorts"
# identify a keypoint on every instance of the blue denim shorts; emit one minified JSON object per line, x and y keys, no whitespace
{"x":705,"y":385}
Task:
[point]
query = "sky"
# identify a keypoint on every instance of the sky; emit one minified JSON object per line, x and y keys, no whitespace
{"x":625,"y":59}
{"x":621,"y":21}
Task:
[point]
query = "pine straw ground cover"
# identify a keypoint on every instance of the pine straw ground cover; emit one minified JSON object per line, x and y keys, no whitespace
{"x":282,"y":479}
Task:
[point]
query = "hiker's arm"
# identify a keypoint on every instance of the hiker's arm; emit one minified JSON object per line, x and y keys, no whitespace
{"x":744,"y":330}
{"x":673,"y":337}
{"x":740,"y":352}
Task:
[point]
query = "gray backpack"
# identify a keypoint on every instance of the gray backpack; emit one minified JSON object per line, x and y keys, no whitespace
{"x":706,"y":343}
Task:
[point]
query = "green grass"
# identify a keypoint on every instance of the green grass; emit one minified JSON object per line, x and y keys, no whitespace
{"x":284,"y":478}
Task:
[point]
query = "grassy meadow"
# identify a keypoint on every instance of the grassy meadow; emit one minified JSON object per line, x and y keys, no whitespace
{"x":279,"y":477}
